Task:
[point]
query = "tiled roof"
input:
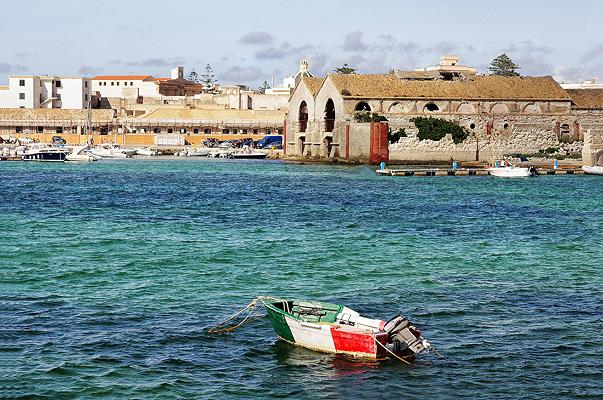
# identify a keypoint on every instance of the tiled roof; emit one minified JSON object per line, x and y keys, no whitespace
{"x":122,"y":77}
{"x":313,"y":84}
{"x":479,"y":88}
{"x":587,"y":99}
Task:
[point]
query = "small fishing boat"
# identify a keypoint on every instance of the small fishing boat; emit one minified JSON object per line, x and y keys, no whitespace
{"x":145,"y":151}
{"x":594,"y":170}
{"x":111,"y":150}
{"x":512,"y":172}
{"x":334,"y":328}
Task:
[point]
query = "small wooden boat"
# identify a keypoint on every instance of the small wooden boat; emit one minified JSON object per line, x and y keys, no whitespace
{"x":333,"y":328}
{"x":594,"y":170}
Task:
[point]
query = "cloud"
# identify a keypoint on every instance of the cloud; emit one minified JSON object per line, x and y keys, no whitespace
{"x":86,"y":70}
{"x":257,"y":38}
{"x":593,"y":54}
{"x":529,"y":47}
{"x":23,"y":54}
{"x":116,"y":62}
{"x":353,"y":42}
{"x":238,"y":74}
{"x":272,"y":53}
{"x":7,"y":68}
{"x":157,"y":62}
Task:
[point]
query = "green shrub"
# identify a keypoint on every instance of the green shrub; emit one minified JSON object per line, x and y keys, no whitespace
{"x":393,"y":137}
{"x":435,"y":129}
{"x":367,"y":116}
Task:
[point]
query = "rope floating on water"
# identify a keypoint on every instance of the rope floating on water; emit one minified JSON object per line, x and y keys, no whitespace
{"x":221,"y":328}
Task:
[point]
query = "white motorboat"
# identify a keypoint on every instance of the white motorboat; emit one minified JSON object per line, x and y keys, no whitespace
{"x":45,"y":152}
{"x":81,"y":154}
{"x":198,"y":152}
{"x":111,"y":150}
{"x":594,"y":169}
{"x":146,"y":151}
{"x":248,"y":153}
{"x":511,"y":172}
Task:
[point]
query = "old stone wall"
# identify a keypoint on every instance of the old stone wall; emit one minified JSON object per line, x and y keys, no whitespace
{"x":489,"y":137}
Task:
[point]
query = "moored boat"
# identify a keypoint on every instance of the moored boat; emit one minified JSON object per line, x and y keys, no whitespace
{"x":81,"y":154}
{"x":334,"y":328}
{"x":111,"y":150}
{"x":511,"y":172}
{"x":44,"y":152}
{"x":594,"y":169}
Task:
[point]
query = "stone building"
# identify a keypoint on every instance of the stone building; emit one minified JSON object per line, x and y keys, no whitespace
{"x":587,"y":106}
{"x":502,"y":115}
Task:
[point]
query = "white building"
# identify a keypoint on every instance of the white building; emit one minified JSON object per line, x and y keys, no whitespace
{"x":449,"y":65}
{"x":125,"y":86}
{"x":32,"y":91}
{"x":589,"y":84}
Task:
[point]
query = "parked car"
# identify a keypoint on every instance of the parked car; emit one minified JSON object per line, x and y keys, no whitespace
{"x":58,"y":140}
{"x":266,"y":141}
{"x":275,"y":145}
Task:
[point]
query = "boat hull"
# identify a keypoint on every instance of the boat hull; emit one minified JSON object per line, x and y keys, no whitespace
{"x":510,"y":172}
{"x":594,"y":170}
{"x":328,"y":338}
{"x":46,"y":156}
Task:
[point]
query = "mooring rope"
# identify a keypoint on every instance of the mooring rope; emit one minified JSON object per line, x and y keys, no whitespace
{"x":389,"y":351}
{"x":252,"y":312}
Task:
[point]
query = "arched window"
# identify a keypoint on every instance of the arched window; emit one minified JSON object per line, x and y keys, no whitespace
{"x":303,"y":116}
{"x":362,"y":106}
{"x":329,"y":116}
{"x":431,"y":107}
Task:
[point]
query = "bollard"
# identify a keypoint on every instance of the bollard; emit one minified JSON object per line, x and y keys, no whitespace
{"x":382,"y":165}
{"x":556,"y":164}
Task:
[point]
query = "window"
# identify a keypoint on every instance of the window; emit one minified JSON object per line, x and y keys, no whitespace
{"x":225,"y":131}
{"x":21,"y":96}
{"x":244,"y":131}
{"x":18,"y":129}
{"x":104,"y":83}
{"x":59,"y":129}
{"x":112,"y":83}
{"x":131,"y":83}
{"x":117,"y":83}
{"x":21,"y":82}
{"x":280,"y":131}
{"x":85,"y":84}
{"x":431,"y":107}
{"x":195,"y":130}
{"x":22,"y":107}
{"x":207,"y":131}
{"x":268,"y":131}
{"x":155,"y":130}
{"x":255,"y":131}
{"x":40,"y":129}
{"x":58,"y":83}
{"x":472,"y":126}
{"x":86,"y":97}
{"x":58,"y":96}
{"x":170,"y":130}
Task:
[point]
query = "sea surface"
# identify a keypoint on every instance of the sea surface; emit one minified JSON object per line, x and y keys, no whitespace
{"x":111,"y":273}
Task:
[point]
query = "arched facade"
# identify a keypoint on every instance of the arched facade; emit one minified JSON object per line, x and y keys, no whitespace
{"x":499,"y":108}
{"x":303,"y":116}
{"x":362,"y":106}
{"x":329,"y":116}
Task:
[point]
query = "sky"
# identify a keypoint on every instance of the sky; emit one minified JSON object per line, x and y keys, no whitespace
{"x":247,"y":42}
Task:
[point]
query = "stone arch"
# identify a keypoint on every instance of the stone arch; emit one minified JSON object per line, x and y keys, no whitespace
{"x":466,"y":108}
{"x":499,"y":108}
{"x":362,"y":106}
{"x":395,"y":108}
{"x":531,"y":108}
{"x":303,"y":116}
{"x":329,"y":116}
{"x":431,"y":107}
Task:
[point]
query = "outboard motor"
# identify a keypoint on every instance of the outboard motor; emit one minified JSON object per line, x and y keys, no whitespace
{"x":405,"y":337}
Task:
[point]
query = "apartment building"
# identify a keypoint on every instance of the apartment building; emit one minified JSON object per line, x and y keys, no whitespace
{"x":31,"y":91}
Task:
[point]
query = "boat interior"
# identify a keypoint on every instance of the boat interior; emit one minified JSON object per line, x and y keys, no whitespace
{"x":309,"y":311}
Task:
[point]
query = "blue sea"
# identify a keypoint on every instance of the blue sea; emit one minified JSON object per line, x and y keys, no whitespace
{"x":111,"y":273}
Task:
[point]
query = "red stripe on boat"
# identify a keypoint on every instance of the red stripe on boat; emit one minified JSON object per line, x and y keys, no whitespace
{"x":356,"y":342}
